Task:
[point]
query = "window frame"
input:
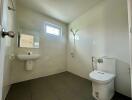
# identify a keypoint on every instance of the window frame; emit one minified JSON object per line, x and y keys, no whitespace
{"x":54,"y":26}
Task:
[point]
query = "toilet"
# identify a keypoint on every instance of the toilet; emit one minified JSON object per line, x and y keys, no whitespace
{"x":103,"y":79}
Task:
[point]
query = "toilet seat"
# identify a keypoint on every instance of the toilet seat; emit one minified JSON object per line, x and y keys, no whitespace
{"x":101,"y":77}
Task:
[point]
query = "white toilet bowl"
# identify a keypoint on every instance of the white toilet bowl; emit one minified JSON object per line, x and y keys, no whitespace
{"x":103,"y":85}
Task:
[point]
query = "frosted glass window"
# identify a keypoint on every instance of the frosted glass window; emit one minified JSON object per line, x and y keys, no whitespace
{"x":26,"y":40}
{"x":52,"y":29}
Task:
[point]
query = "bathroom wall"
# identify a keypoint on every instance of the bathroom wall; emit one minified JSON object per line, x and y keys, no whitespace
{"x":9,"y":21}
{"x":52,"y":49}
{"x":103,"y":31}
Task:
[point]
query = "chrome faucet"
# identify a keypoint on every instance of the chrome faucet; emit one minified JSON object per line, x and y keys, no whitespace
{"x":29,"y":52}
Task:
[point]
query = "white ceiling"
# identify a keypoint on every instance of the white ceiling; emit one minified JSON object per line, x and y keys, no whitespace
{"x":64,"y":10}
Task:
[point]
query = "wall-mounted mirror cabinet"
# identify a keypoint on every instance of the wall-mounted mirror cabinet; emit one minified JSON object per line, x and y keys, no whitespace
{"x":28,"y":40}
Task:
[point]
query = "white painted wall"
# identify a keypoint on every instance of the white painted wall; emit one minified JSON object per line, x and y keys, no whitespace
{"x":103,"y":31}
{"x":52,"y":49}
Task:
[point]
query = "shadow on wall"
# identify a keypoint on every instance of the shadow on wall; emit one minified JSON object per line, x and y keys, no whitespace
{"x":125,"y":82}
{"x":80,"y":54}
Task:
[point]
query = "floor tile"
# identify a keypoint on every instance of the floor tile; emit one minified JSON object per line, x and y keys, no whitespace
{"x":63,"y":86}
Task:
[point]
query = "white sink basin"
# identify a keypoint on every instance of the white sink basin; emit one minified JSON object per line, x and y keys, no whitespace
{"x":28,"y":57}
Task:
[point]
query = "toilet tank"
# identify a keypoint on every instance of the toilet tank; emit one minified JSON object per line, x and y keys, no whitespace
{"x":108,"y":65}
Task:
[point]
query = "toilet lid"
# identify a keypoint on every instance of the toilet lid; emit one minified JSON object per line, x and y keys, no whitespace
{"x":101,"y":77}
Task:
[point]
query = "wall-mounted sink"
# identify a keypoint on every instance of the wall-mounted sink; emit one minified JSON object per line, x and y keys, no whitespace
{"x":28,"y":57}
